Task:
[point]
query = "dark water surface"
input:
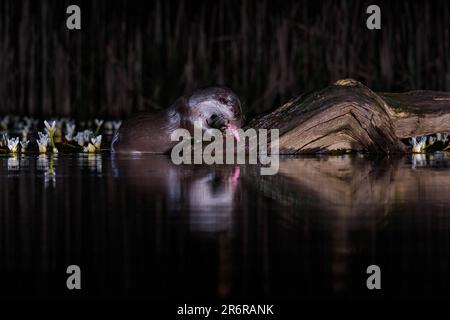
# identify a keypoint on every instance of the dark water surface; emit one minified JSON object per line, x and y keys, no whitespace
{"x":144,"y":228}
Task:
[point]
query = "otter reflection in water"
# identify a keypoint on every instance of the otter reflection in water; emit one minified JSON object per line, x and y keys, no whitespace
{"x":204,"y":193}
{"x":200,"y":197}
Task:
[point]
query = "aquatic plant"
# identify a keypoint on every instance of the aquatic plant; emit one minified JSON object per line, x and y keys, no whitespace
{"x":42,"y":135}
{"x":90,"y":148}
{"x":97,"y":141}
{"x":13,"y":144}
{"x":24,"y":145}
{"x":24,"y":133}
{"x":117,"y":124}
{"x":418,"y":144}
{"x":70,"y":130}
{"x":431,"y":140}
{"x":50,"y":138}
{"x":24,"y":129}
{"x":29,"y":122}
{"x":42,"y":142}
{"x":98,"y":124}
{"x":88,"y":134}
{"x":79,"y":138}
{"x":50,"y":128}
{"x":94,"y":145}
{"x":443,"y":138}
{"x":51,"y":134}
{"x":4,"y":140}
{"x":112,"y":125}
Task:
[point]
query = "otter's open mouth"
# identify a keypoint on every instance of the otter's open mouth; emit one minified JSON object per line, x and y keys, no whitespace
{"x":223,"y":125}
{"x":233,"y":130}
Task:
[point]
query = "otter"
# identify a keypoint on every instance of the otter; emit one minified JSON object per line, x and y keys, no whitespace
{"x":215,"y":107}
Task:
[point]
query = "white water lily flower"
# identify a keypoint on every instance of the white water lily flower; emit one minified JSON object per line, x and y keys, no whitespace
{"x":97,"y":141}
{"x":20,"y":125}
{"x":70,"y":129}
{"x":24,"y":132}
{"x":79,"y":138}
{"x":43,"y":142}
{"x":4,"y":140}
{"x":117,"y":124}
{"x":88,"y":134}
{"x":445,"y":137}
{"x":42,"y":147}
{"x":431,"y":140}
{"x":418,"y":144}
{"x":50,"y":128}
{"x":68,"y":137}
{"x":42,"y":136}
{"x":24,"y":144}
{"x":90,"y":148}
{"x":98,"y":122}
{"x":28,"y":121}
{"x":12,"y":144}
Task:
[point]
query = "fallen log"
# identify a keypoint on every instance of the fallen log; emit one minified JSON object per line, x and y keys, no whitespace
{"x":349,"y":116}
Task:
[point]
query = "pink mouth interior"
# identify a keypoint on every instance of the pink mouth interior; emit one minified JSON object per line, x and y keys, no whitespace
{"x":234,"y":131}
{"x":235,"y":176}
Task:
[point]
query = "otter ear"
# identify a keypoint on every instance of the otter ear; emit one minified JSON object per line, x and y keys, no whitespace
{"x":181,"y":105}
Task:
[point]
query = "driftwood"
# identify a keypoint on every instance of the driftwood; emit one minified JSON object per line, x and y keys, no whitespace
{"x":350,"y":116}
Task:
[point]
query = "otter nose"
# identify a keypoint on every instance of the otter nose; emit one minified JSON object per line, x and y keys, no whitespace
{"x":218,"y":121}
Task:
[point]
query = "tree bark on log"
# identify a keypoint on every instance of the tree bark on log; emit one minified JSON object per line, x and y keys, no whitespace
{"x":349,"y":116}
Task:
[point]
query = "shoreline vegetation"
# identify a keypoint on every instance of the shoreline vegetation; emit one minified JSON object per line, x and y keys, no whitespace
{"x":57,"y":134}
{"x":128,"y":57}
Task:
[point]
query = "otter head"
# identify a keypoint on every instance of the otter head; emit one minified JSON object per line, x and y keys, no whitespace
{"x":212,"y":108}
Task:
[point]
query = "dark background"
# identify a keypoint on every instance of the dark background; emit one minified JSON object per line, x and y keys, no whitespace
{"x":133,"y":55}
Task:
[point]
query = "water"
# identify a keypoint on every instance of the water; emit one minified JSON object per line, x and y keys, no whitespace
{"x":143,"y":228}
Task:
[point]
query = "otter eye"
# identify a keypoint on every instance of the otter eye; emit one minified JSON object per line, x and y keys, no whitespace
{"x":223,"y":100}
